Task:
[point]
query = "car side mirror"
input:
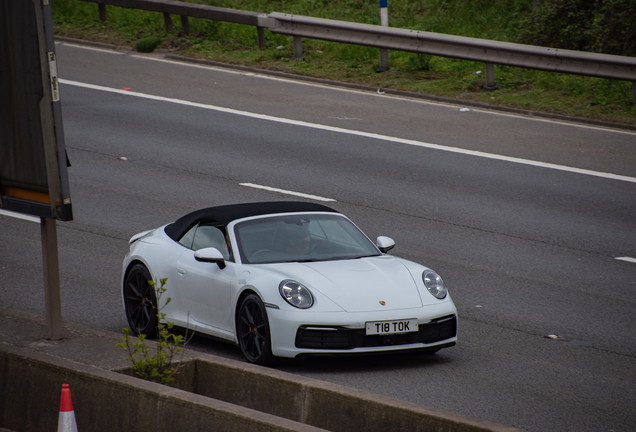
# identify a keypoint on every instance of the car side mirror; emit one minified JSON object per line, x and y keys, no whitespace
{"x":385,"y":244}
{"x":211,"y":255}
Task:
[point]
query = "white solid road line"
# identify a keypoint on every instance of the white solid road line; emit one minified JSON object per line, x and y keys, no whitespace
{"x":264,"y":75}
{"x":283,"y":191}
{"x":357,"y":133}
{"x":628,"y":259}
{"x":19,"y":216}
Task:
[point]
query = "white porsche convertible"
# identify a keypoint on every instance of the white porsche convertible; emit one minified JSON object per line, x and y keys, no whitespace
{"x":284,"y":279}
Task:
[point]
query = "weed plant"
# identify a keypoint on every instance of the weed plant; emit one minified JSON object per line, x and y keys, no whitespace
{"x":502,"y":20}
{"x":148,"y":44}
{"x":158,"y":364}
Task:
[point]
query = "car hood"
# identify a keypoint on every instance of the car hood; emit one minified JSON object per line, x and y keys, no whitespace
{"x":359,"y":285}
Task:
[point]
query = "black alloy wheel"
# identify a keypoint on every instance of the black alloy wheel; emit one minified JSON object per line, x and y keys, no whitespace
{"x":140,"y":301}
{"x":253,"y":331}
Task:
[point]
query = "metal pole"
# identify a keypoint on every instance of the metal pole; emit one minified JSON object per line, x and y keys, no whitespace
{"x":298,"y":47}
{"x":490,"y":77}
{"x":260,"y":32}
{"x":185,"y":24}
{"x":167,"y":20}
{"x":102,"y":11}
{"x":384,"y":22}
{"x":52,"y":298}
{"x":634,"y":92}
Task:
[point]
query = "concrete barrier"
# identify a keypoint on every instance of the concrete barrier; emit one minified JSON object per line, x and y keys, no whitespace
{"x":219,"y":396}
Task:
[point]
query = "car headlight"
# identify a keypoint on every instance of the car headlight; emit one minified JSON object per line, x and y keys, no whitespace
{"x":296,"y":294}
{"x":434,"y":284}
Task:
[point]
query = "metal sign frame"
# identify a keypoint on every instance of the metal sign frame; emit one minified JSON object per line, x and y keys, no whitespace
{"x":33,"y":160}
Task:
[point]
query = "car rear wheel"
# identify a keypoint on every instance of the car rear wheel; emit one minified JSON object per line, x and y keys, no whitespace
{"x":140,"y":301}
{"x":253,"y":331}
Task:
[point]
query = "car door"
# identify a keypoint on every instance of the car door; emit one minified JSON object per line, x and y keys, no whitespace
{"x":206,"y":289}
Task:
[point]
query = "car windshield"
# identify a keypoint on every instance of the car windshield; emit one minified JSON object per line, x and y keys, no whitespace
{"x":301,"y":238}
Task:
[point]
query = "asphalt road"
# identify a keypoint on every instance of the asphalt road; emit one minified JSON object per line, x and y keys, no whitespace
{"x":498,"y":204}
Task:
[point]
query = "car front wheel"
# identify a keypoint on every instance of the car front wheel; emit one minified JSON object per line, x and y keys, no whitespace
{"x":253,"y":331}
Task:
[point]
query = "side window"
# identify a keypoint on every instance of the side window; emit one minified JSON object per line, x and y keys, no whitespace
{"x":187,"y":238}
{"x":210,"y":236}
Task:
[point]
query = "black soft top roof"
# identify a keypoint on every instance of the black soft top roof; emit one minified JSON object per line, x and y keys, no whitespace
{"x":228,"y":213}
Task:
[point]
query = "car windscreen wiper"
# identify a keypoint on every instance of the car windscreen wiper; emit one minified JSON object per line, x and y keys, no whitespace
{"x":358,"y":257}
{"x":335,"y":258}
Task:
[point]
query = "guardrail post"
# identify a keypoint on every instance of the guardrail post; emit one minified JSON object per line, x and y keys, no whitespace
{"x":167,"y":20}
{"x":384,"y":60}
{"x":298,"y":47}
{"x":490,"y":77}
{"x":260,"y":31}
{"x":185,"y":24}
{"x":633,"y":92}
{"x":102,"y":11}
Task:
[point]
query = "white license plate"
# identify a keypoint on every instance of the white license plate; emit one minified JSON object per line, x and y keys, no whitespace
{"x":391,"y":327}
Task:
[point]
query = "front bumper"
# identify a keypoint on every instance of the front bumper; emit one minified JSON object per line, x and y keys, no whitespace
{"x":297,"y":333}
{"x":438,"y":330}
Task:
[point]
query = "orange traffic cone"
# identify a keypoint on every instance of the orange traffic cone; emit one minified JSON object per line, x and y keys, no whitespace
{"x":66,"y":422}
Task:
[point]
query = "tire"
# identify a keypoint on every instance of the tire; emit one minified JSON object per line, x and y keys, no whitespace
{"x":140,"y":301}
{"x":252,"y":328}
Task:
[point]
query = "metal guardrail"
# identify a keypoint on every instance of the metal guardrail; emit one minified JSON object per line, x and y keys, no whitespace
{"x":487,"y":51}
{"x":460,"y":47}
{"x":185,"y":10}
